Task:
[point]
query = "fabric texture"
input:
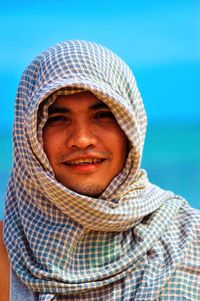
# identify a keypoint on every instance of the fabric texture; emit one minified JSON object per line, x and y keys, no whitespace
{"x":18,"y":290}
{"x":136,"y":241}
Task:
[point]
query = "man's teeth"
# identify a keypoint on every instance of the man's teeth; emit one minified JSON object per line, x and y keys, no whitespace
{"x":84,"y":161}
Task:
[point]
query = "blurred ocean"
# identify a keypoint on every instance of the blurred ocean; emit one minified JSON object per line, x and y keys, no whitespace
{"x":171,"y":158}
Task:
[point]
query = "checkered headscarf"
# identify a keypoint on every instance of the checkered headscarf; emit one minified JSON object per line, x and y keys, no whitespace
{"x":124,"y":245}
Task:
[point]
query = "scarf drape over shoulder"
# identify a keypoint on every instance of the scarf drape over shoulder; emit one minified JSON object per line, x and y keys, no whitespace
{"x":136,"y":241}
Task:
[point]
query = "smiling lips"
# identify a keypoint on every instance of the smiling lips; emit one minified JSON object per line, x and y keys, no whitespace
{"x":84,"y":161}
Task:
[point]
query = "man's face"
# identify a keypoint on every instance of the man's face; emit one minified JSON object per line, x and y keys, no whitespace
{"x":84,"y":144}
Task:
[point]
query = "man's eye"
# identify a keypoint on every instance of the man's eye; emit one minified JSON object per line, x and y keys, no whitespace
{"x":56,"y":119}
{"x":104,"y":115}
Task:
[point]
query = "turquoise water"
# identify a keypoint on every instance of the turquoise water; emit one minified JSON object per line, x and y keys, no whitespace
{"x":171,"y":158}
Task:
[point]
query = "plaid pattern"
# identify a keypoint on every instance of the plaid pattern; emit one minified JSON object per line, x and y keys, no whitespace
{"x":137,"y":241}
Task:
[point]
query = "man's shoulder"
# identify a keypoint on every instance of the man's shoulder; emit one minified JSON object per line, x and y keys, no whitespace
{"x":187,"y":226}
{"x":184,"y":231}
{"x":3,"y":251}
{"x":4,"y":267}
{"x":191,"y":214}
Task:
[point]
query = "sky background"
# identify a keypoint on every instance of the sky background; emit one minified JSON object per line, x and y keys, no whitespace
{"x":159,"y":40}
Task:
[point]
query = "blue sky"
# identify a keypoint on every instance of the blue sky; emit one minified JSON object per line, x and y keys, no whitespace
{"x":160,"y":40}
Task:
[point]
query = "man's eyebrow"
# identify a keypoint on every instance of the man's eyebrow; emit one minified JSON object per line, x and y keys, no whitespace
{"x":98,"y":105}
{"x":55,"y":109}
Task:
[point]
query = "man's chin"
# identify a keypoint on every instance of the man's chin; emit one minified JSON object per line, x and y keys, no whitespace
{"x":88,"y":189}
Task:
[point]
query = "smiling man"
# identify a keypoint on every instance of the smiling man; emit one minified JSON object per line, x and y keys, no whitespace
{"x":82,"y":221}
{"x":89,"y":148}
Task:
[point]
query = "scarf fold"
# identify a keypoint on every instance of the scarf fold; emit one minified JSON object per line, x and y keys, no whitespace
{"x":60,"y":242}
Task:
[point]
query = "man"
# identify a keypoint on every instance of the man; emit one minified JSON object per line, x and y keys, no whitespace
{"x":82,"y":221}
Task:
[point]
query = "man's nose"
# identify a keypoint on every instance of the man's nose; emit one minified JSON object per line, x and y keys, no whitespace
{"x":82,"y":136}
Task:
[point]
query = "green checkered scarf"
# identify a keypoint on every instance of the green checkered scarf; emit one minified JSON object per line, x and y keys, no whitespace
{"x":130,"y":243}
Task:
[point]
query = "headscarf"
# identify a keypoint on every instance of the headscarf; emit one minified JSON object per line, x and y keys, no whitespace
{"x":65,"y":245}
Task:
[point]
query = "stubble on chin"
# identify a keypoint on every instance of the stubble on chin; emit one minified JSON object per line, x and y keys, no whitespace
{"x":87,"y":189}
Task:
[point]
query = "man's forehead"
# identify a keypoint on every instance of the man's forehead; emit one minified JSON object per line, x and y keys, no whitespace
{"x":84,"y":100}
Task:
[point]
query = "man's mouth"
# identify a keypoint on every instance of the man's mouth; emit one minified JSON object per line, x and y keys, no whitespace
{"x":84,"y":161}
